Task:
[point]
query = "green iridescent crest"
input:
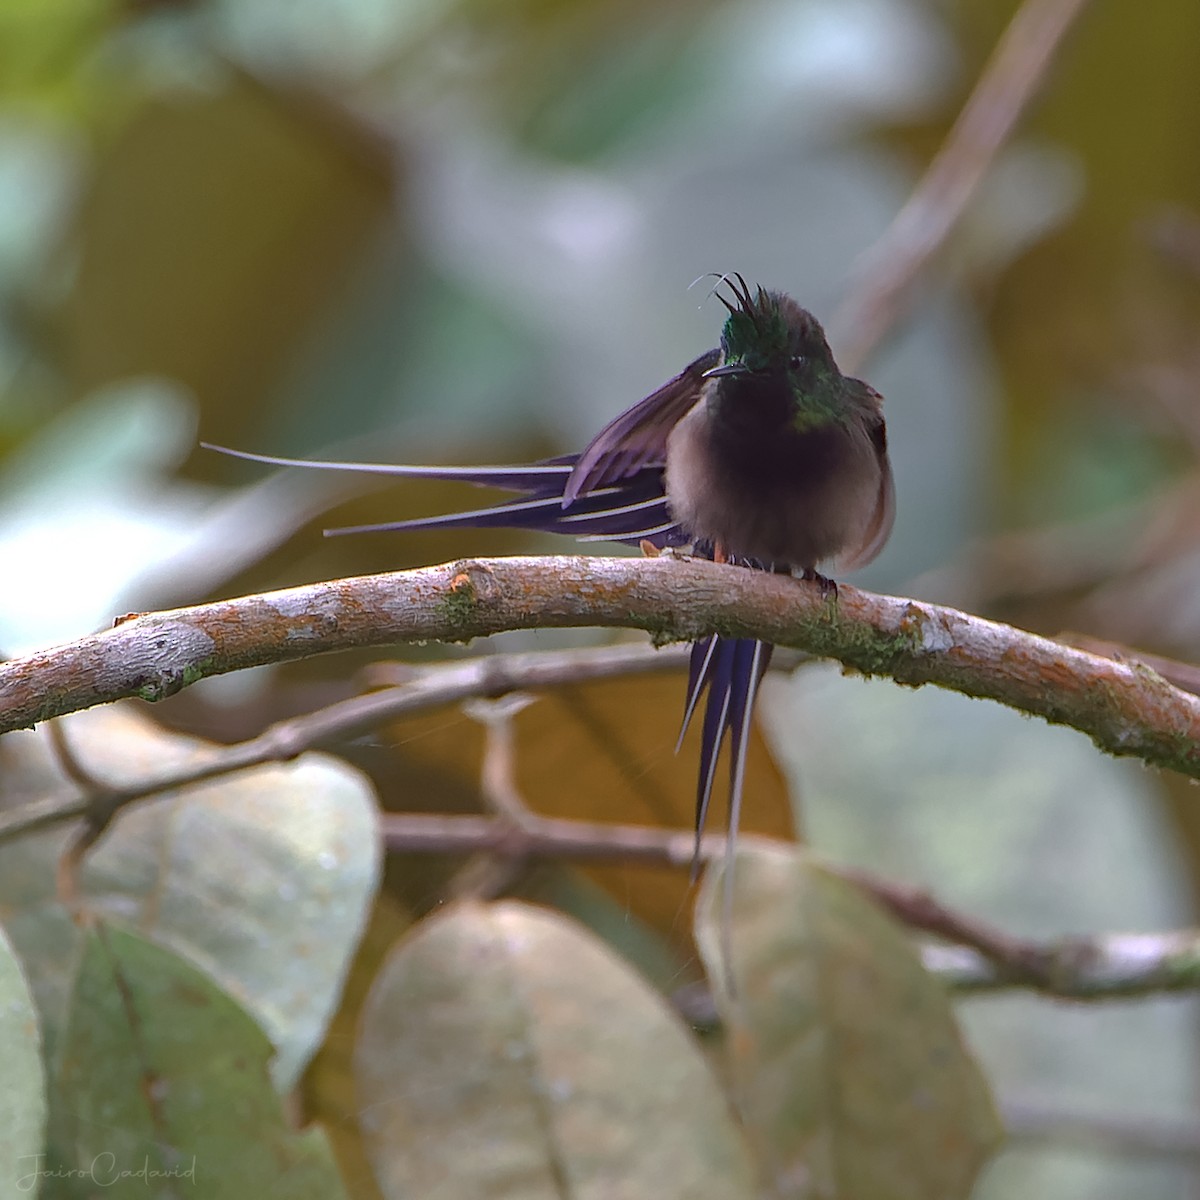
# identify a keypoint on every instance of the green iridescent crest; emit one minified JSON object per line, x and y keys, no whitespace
{"x":767,"y":330}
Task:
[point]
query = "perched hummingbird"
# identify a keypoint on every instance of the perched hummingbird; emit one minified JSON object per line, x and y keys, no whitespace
{"x":760,"y":453}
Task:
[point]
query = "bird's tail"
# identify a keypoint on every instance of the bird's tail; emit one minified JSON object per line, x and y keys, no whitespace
{"x":730,"y":670}
{"x":632,"y":511}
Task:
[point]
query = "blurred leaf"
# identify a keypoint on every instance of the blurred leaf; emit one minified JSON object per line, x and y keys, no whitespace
{"x":592,"y":97}
{"x":1024,"y":825}
{"x":38,"y":167}
{"x":655,"y":954}
{"x":567,"y":79}
{"x":160,"y":1071}
{"x":44,"y":47}
{"x":263,"y":878}
{"x":328,"y":1084}
{"x":1010,"y":819}
{"x":1077,"y":309}
{"x":604,"y":751}
{"x":601,"y":751}
{"x":429,"y":763}
{"x":215,"y":231}
{"x":505,"y":1053}
{"x":848,"y":1066}
{"x":91,"y":485}
{"x":23,"y":1097}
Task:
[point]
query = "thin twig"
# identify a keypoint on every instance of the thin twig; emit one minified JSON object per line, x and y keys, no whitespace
{"x":1020,"y":961}
{"x":1104,"y":967}
{"x":893,"y":266}
{"x":488,"y":876}
{"x":101,"y":802}
{"x":545,"y":838}
{"x":498,"y":774}
{"x":1122,"y":1135}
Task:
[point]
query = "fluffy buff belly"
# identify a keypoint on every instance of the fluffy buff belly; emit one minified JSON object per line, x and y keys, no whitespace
{"x":808,"y":498}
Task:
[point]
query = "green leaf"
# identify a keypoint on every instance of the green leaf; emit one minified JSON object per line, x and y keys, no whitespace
{"x":163,"y":1076}
{"x":506,"y":1053}
{"x":23,"y":1096}
{"x":848,"y":1066}
{"x":263,"y":878}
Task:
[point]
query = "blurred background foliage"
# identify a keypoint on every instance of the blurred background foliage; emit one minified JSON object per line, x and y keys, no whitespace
{"x":423,"y":230}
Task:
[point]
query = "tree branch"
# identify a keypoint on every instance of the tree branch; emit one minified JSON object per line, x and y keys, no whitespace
{"x":1124,"y":706}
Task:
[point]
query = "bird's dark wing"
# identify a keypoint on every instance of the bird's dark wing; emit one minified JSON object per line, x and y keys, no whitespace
{"x":638,"y":437}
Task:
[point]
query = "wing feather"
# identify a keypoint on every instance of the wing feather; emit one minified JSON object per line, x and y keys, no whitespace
{"x":638,"y":437}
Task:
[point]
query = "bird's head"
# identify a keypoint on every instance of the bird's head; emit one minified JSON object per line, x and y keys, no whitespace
{"x":768,"y":333}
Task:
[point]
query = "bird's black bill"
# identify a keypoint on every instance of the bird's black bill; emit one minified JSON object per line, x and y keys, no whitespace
{"x":733,"y":368}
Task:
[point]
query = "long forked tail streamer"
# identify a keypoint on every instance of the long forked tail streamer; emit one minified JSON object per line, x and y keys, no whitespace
{"x":730,"y":669}
{"x":631,"y":511}
{"x":520,"y":478}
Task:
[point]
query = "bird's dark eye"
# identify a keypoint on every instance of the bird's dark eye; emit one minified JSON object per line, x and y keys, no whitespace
{"x":796,"y":361}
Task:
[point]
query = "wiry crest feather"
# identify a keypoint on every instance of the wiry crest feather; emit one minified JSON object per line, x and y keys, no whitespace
{"x":737,"y":284}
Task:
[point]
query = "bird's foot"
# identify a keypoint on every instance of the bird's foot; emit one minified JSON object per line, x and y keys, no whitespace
{"x":829,"y":587}
{"x":650,"y":550}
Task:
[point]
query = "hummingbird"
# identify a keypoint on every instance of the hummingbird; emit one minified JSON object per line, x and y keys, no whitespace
{"x":760,"y":454}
